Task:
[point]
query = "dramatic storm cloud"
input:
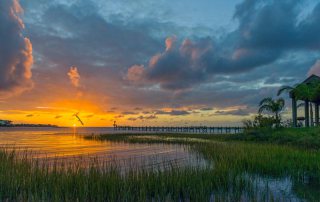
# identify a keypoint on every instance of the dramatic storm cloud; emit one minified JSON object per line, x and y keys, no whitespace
{"x":205,"y":62}
{"x":15,"y":50}
{"x":266,"y":30}
{"x":175,"y":68}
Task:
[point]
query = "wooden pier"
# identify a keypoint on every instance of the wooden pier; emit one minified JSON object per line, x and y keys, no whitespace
{"x":184,"y":129}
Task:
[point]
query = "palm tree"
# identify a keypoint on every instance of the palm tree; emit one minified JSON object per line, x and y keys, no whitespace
{"x":273,"y":106}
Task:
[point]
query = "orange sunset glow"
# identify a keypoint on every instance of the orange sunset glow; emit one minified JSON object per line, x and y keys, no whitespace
{"x":63,"y":62}
{"x":160,"y":100}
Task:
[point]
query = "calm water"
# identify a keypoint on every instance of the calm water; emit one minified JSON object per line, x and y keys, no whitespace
{"x":68,"y":147}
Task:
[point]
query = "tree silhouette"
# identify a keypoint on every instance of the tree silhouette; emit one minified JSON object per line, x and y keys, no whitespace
{"x":272,"y":106}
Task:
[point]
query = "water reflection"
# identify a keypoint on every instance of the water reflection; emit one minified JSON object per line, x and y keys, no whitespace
{"x":67,"y":146}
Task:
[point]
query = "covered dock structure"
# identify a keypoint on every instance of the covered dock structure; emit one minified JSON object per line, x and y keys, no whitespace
{"x":309,"y":93}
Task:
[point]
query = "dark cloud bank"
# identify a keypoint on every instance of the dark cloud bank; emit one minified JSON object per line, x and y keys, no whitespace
{"x":208,"y":72}
{"x":266,"y":30}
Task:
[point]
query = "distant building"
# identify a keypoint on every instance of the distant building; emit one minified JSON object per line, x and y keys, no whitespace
{"x":5,"y":123}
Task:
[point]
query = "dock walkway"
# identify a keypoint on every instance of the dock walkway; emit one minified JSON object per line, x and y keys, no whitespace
{"x":185,"y":129}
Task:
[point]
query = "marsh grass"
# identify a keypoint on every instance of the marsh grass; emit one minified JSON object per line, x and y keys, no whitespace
{"x":233,"y":153}
{"x":236,"y":166}
{"x":26,"y":180}
{"x":303,"y":138}
{"x":165,"y":138}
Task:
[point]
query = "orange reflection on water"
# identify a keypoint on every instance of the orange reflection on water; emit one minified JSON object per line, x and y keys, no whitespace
{"x":53,"y":144}
{"x":67,"y":146}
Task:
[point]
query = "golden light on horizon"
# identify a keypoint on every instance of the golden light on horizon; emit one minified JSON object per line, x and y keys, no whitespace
{"x":57,"y":116}
{"x":61,"y":113}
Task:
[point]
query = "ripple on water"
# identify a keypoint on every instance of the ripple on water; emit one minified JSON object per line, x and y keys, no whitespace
{"x":65,"y":147}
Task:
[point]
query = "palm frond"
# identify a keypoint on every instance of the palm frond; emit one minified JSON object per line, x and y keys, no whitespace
{"x":265,"y":107}
{"x":267,"y":100}
{"x":284,"y":89}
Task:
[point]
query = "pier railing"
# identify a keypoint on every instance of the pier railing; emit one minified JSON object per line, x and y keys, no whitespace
{"x":184,"y":129}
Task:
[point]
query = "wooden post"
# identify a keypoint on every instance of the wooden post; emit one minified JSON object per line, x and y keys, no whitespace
{"x":316,"y":109}
{"x":306,"y":113}
{"x":294,"y":112}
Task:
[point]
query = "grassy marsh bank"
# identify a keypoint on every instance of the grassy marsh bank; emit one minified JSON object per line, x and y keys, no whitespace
{"x":292,"y":153}
{"x":304,"y":138}
{"x":234,"y":153}
{"x":23,"y":180}
{"x":239,"y":167}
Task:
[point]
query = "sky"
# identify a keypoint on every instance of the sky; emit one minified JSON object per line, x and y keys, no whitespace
{"x":155,"y":62}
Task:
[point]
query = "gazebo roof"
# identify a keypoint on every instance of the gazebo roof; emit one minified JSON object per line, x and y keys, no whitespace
{"x":311,"y":79}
